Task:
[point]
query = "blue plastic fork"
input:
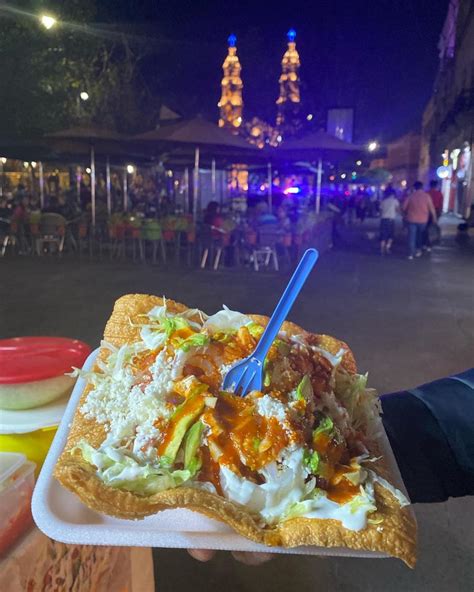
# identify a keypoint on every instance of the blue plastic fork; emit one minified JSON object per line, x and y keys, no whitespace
{"x":247,"y":375}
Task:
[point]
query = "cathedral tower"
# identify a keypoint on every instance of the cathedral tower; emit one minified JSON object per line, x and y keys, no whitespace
{"x":288,"y":119}
{"x":231,"y":103}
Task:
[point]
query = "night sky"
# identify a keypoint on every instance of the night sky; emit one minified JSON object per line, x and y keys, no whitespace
{"x":379,"y":56}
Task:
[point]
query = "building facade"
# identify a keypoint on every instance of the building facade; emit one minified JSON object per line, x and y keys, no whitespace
{"x":448,"y":120}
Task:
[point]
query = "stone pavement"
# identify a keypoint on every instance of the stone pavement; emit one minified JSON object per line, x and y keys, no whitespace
{"x":408,"y":322}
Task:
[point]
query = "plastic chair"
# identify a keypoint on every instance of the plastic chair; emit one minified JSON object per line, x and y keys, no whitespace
{"x":210,"y":242}
{"x":8,"y":232}
{"x":52,"y":230}
{"x":266,"y":250}
{"x":151,"y":233}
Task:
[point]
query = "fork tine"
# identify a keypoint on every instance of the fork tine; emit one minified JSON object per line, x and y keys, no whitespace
{"x":240,"y":379}
{"x":231,"y":378}
{"x":245,"y":383}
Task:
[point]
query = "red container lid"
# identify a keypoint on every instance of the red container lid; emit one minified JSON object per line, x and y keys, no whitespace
{"x":27,"y":359}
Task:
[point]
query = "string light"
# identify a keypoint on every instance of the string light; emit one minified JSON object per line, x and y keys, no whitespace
{"x":84,"y":95}
{"x":358,"y":162}
{"x":3,"y":160}
{"x":88,"y":171}
{"x":130,"y":169}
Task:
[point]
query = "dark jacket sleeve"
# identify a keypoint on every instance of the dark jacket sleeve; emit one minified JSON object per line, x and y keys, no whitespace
{"x":431,"y":431}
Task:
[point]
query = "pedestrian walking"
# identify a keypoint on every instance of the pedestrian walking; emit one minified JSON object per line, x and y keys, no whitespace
{"x":418,"y":208}
{"x":432,"y":229}
{"x":389,"y":208}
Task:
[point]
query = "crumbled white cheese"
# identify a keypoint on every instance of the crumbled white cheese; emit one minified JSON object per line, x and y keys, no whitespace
{"x":129,"y":410}
{"x":268,"y":406}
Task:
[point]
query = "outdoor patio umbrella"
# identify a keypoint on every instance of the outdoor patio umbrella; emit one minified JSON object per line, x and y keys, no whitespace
{"x":203,"y":136}
{"x":317,"y":145}
{"x":94,"y":140}
{"x":28,"y":150}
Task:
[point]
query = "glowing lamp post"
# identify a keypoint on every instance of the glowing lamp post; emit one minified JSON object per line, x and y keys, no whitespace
{"x":129,"y":170}
{"x":3,"y":160}
{"x":372,"y":146}
{"x":48,"y":21}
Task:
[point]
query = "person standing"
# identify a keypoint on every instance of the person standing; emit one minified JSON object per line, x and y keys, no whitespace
{"x":417,"y":208}
{"x":436,"y":197}
{"x":389,"y":208}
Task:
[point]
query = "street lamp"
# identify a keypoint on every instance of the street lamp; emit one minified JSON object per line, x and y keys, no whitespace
{"x":48,"y":21}
{"x":3,"y":160}
{"x":84,"y":95}
{"x":130,"y":169}
{"x":372,"y":146}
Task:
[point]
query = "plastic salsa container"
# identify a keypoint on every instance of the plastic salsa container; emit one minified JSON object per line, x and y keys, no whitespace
{"x":16,"y":488}
{"x":32,"y":369}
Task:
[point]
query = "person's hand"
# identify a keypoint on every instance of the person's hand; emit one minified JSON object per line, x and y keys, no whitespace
{"x":242,"y":556}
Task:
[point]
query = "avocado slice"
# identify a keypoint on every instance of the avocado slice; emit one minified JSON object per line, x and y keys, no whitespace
{"x":304,"y":390}
{"x":192,"y":442}
{"x":179,"y":423}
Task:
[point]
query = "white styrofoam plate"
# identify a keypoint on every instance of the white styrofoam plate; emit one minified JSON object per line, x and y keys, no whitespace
{"x":22,"y":421}
{"x":63,"y":517}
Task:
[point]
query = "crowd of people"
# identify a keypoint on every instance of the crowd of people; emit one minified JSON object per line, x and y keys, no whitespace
{"x":420,"y":210}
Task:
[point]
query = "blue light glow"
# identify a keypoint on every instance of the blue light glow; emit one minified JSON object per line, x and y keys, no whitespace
{"x":292,"y":190}
{"x":232,"y":40}
{"x":291,"y":35}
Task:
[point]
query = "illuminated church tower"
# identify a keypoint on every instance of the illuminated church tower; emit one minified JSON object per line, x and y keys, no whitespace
{"x":288,"y":119}
{"x":231,"y":103}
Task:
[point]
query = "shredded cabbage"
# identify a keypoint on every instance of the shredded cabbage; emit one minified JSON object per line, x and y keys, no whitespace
{"x":362,"y":403}
{"x":119,"y":469}
{"x":226,"y":320}
{"x":352,"y":515}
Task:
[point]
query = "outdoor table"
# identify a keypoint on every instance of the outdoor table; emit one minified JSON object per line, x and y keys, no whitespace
{"x":36,"y":562}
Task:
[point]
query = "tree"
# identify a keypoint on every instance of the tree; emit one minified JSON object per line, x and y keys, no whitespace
{"x":44,"y":72}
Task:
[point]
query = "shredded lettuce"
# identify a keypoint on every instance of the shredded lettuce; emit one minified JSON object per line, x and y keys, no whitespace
{"x":196,"y":340}
{"x":120,"y":470}
{"x":311,"y":461}
{"x":255,"y":330}
{"x":326,"y":426}
{"x":226,"y":320}
{"x":361,"y":403}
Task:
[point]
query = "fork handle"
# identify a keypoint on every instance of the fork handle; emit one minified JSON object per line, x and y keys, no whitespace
{"x":286,"y":302}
